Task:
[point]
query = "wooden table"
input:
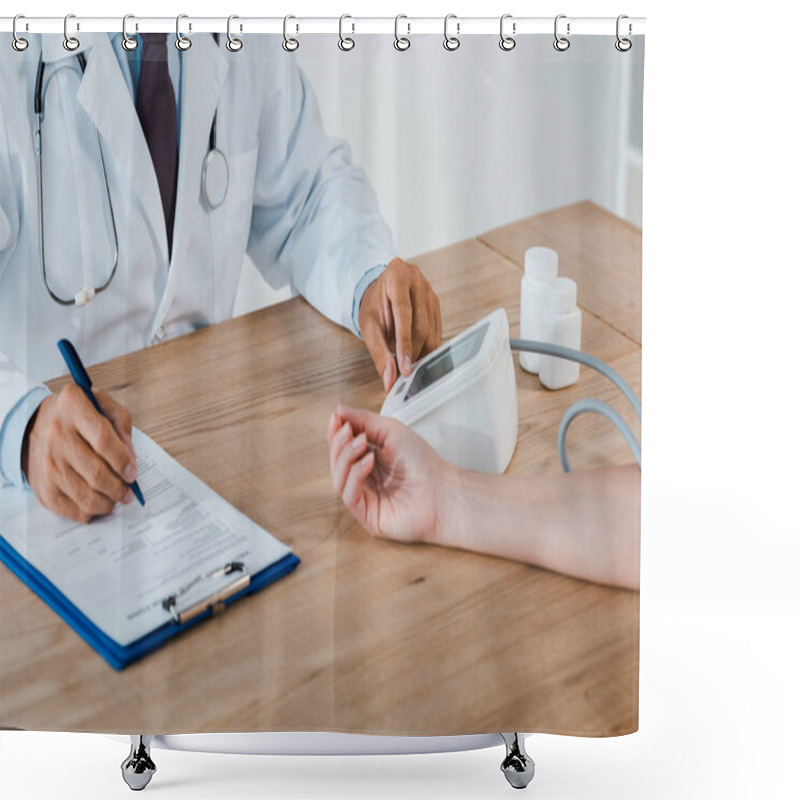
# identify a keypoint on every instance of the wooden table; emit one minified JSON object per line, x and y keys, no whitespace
{"x":367,"y":635}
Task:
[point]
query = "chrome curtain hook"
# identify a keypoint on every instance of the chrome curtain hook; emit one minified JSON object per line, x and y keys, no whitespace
{"x":289,"y":44}
{"x":623,"y":45}
{"x":561,"y":43}
{"x":401,"y":42}
{"x":18,"y":43}
{"x":128,"y":42}
{"x":451,"y":42}
{"x":507,"y":42}
{"x":70,"y":42}
{"x":182,"y":42}
{"x":233,"y":44}
{"x":345,"y":42}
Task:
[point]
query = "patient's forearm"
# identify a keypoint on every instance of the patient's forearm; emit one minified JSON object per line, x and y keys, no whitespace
{"x":584,"y":524}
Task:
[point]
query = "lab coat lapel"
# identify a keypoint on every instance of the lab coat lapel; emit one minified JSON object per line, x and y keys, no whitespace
{"x":53,"y":49}
{"x":106,"y":99}
{"x":204,"y":70}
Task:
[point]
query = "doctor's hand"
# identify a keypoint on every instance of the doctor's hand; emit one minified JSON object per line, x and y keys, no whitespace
{"x":399,"y":314}
{"x":388,"y":477}
{"x":79,"y":463}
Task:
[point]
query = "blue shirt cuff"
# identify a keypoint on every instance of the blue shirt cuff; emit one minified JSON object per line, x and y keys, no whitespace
{"x":13,"y":431}
{"x":370,"y":276}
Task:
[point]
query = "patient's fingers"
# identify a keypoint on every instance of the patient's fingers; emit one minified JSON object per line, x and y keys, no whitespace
{"x":353,"y":491}
{"x":350,"y":453}
{"x":334,"y":423}
{"x":338,"y":441}
{"x":375,"y":426}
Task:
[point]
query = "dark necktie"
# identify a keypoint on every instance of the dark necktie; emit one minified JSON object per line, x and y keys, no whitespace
{"x":155,"y":105}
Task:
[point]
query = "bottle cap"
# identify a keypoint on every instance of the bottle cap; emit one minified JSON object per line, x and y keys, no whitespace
{"x":562,"y":295}
{"x":541,"y":263}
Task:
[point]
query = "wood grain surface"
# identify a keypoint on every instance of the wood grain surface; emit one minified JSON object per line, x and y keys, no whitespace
{"x":366,"y":635}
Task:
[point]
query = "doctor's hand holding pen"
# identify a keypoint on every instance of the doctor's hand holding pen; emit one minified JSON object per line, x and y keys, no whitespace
{"x":78,"y":462}
{"x":582,"y":524}
{"x":399,"y":316}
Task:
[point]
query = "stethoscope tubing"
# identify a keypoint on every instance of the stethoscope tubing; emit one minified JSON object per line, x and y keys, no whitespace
{"x":213,"y":156}
{"x":85,"y":293}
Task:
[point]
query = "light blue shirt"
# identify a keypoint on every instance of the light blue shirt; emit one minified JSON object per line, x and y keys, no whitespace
{"x":13,"y":429}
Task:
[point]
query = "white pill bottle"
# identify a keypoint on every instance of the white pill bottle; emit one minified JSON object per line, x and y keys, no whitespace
{"x":562,"y":321}
{"x":541,"y":266}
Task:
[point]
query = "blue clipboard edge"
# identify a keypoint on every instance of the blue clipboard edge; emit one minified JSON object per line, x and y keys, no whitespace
{"x":117,"y":655}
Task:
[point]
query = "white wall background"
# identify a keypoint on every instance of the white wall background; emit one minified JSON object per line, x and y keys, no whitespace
{"x":720,"y":603}
{"x":457,"y":143}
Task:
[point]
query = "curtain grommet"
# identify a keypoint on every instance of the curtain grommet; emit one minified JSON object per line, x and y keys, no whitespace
{"x":622,"y":44}
{"x":507,"y":42}
{"x":70,"y":42}
{"x":451,"y":43}
{"x":401,"y":43}
{"x":346,"y":43}
{"x":182,"y":42}
{"x":561,"y":43}
{"x":19,"y":43}
{"x":290,"y":44}
{"x":128,"y":42}
{"x":233,"y":44}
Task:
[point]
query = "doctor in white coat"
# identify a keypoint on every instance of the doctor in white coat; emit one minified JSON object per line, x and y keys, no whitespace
{"x":294,"y":202}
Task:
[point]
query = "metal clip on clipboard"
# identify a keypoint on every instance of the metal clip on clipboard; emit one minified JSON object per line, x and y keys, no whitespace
{"x":214,"y":601}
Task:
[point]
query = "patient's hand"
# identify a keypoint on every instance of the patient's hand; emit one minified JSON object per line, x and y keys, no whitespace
{"x":387,"y":476}
{"x":584,"y":524}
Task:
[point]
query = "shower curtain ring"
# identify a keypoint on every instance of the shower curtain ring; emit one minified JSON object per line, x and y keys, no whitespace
{"x":623,"y":45}
{"x":451,"y":42}
{"x":507,"y":42}
{"x":289,"y":44}
{"x":401,"y":42}
{"x":70,"y":42}
{"x":182,"y":42}
{"x":233,"y":44}
{"x":128,"y":42}
{"x":345,"y":42}
{"x":561,"y":43}
{"x":18,"y":43}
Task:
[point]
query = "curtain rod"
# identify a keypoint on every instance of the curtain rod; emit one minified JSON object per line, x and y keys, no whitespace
{"x":406,"y":26}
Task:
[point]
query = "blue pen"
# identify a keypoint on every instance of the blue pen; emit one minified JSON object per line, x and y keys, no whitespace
{"x":81,"y":377}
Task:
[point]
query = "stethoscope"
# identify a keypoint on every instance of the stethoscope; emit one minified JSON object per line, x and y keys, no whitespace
{"x":214,"y":178}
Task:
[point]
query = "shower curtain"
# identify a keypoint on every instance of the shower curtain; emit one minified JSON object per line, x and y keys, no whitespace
{"x":250,"y":249}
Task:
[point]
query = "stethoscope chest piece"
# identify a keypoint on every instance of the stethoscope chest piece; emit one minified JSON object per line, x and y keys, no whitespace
{"x":215,"y":178}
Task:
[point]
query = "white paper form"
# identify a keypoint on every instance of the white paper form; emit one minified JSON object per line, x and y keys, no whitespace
{"x":119,"y":569}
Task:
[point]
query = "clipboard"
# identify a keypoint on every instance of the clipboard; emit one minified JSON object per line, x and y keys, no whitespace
{"x":119,"y":656}
{"x":130,"y":581}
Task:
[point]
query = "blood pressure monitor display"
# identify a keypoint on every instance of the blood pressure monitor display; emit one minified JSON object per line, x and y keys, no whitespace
{"x":462,"y":397}
{"x":451,"y":357}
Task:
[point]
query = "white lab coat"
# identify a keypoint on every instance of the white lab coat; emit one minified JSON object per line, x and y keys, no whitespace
{"x":295,"y":203}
